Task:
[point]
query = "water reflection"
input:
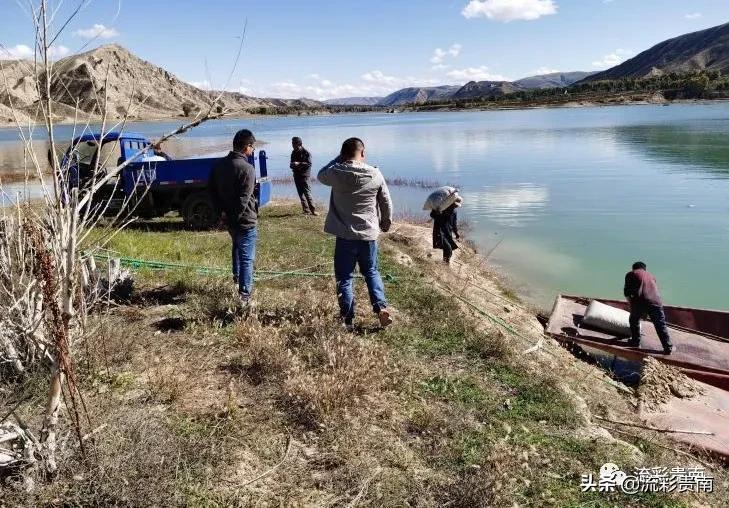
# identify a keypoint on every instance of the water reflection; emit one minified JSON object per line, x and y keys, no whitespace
{"x":578,"y":194}
{"x":19,"y":192}
{"x":698,"y":146}
{"x":509,"y":206}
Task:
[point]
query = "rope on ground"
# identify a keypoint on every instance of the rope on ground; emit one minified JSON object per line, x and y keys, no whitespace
{"x":502,"y":324}
{"x":274,"y":468}
{"x":656,"y":429}
{"x":300,"y":271}
{"x":261,"y":275}
{"x":671,"y":448}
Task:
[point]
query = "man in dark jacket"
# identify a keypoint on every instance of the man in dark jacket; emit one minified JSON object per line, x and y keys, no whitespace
{"x":301,"y":166}
{"x":641,"y":290}
{"x":232,"y":191}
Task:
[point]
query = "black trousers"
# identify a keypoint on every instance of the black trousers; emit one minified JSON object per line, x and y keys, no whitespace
{"x":303,"y":189}
{"x":638,"y":309}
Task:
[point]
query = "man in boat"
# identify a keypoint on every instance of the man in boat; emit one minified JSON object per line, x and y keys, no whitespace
{"x":359,"y":208}
{"x":301,"y":166}
{"x":232,"y":191}
{"x":641,"y":290}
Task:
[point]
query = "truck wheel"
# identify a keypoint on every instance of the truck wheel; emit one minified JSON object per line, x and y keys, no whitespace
{"x":198,"y":212}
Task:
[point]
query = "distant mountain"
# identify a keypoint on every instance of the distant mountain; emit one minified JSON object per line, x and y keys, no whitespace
{"x":553,"y":80}
{"x":485,"y":89}
{"x":353,"y":101}
{"x":419,"y":95}
{"x":704,"y":50}
{"x":81,"y":80}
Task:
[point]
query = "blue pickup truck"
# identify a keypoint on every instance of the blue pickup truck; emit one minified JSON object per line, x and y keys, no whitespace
{"x":151,"y":185}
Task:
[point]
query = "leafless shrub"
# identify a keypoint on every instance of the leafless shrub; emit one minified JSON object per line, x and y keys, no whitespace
{"x":43,"y":274}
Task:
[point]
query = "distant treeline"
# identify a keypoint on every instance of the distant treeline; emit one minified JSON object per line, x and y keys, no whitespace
{"x":673,"y":86}
{"x":314,"y":110}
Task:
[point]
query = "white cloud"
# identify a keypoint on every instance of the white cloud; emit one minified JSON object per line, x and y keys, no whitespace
{"x":509,"y":10}
{"x":56,"y":52}
{"x":97,"y":31}
{"x":440,"y":55}
{"x":455,"y":50}
{"x":374,"y":83}
{"x":694,"y":15}
{"x":380,"y":78}
{"x":23,"y":52}
{"x":612,"y":59}
{"x":204,"y":84}
{"x":480,"y":73}
{"x":544,"y":70}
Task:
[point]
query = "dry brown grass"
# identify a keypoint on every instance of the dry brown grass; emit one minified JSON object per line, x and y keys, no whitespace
{"x":194,"y":399}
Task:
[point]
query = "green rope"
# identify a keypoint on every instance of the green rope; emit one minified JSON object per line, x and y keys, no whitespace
{"x":504,"y":325}
{"x":137,"y":264}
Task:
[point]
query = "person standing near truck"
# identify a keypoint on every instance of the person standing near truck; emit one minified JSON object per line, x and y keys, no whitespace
{"x":232,"y":191}
{"x":301,"y":166}
{"x":641,"y":290}
{"x":359,"y":208}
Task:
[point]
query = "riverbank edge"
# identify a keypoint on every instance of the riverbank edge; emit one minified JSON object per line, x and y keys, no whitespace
{"x":462,"y":400}
{"x":408,"y":108}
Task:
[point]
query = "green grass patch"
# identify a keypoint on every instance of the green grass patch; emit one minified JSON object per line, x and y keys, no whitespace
{"x":463,"y":390}
{"x":534,"y":398}
{"x":287,"y":240}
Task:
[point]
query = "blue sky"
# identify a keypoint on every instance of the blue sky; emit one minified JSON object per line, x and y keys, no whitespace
{"x":323,"y":48}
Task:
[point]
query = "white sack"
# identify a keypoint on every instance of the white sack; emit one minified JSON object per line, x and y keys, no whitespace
{"x":606,"y":318}
{"x":441,"y":198}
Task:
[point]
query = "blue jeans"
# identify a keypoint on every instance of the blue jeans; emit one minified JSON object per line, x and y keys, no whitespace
{"x":244,"y":254}
{"x":348,"y":254}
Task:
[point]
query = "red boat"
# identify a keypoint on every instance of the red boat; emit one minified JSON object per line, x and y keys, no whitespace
{"x":700,"y":337}
{"x":701,"y":350}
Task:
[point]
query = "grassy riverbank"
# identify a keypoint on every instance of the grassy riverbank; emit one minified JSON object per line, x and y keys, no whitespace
{"x":193,"y":402}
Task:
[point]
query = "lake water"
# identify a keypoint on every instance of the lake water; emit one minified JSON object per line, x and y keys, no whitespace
{"x":573,"y":195}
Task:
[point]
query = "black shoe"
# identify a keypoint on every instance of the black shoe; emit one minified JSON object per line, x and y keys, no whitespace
{"x":668,"y":350}
{"x":633,"y":343}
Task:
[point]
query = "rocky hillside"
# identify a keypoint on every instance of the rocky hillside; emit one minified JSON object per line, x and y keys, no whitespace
{"x":473,"y":89}
{"x":419,"y":95}
{"x":140,"y":88}
{"x":354,"y":101}
{"x":704,"y":50}
{"x":485,"y":89}
{"x":552,"y":80}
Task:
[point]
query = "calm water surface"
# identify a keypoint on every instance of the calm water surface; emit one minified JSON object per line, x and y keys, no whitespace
{"x":573,"y":195}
